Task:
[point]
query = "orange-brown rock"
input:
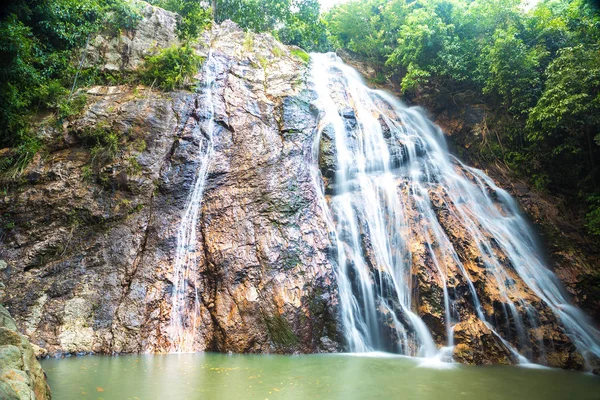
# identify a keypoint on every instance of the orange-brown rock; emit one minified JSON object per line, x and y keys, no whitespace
{"x":476,"y":344}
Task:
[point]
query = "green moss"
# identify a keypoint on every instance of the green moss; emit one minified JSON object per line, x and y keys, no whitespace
{"x":277,"y":51}
{"x":290,"y":261}
{"x":248,"y":41}
{"x":125,"y":203}
{"x":280,"y":332}
{"x":139,"y":207}
{"x":301,"y":54}
{"x":324,"y":324}
{"x":139,"y":145}
{"x":133,"y":166}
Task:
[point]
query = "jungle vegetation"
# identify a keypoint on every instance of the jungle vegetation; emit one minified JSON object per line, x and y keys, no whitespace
{"x":535,"y":71}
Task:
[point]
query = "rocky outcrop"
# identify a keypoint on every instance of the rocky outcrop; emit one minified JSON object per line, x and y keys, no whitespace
{"x":476,"y":344}
{"x":477,"y":275}
{"x":89,"y":233}
{"x":549,"y":344}
{"x":573,"y":255}
{"x":126,"y":49}
{"x":21,"y":376}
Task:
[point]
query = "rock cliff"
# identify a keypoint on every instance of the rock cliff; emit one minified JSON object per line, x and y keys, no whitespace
{"x":89,"y":240}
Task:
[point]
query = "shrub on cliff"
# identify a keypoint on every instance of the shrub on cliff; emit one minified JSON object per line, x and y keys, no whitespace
{"x":171,"y":68}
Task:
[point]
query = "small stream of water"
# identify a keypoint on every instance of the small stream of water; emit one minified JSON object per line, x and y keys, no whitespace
{"x":185,"y":308}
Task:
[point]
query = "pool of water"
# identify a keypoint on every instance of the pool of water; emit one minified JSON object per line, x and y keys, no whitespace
{"x":219,"y":376}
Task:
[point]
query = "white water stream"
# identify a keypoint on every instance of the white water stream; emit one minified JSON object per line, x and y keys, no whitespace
{"x":389,"y":161}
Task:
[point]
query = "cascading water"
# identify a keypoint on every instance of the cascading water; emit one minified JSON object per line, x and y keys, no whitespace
{"x":184,"y":313}
{"x":391,"y":179}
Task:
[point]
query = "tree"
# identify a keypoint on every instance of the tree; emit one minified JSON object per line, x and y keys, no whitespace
{"x":294,"y":22}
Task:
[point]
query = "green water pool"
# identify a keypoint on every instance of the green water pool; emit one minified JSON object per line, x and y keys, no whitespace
{"x":220,"y":376}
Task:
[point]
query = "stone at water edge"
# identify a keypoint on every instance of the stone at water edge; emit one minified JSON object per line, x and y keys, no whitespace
{"x":21,"y":375}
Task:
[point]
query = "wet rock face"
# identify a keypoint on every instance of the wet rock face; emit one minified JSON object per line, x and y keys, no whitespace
{"x":476,"y":344}
{"x":262,"y":234}
{"x":21,"y":376}
{"x":543,"y":340}
{"x":469,"y":285}
{"x":89,"y":256}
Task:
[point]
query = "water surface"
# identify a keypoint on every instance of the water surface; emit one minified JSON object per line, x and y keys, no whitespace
{"x":219,"y":376}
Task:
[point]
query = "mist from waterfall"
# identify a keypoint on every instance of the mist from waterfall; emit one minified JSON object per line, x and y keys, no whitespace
{"x":391,"y":166}
{"x":185,"y":310}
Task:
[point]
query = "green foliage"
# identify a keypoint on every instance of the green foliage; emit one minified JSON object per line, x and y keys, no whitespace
{"x":301,"y":54}
{"x":123,"y":15}
{"x":566,"y":119}
{"x":171,"y":68}
{"x":71,"y":107}
{"x":38,"y":49}
{"x":194,"y":17}
{"x":570,"y":103}
{"x":365,"y":27}
{"x":102,"y":140}
{"x":87,"y":173}
{"x":295,"y":22}
{"x":593,"y":216}
{"x":513,"y":74}
{"x":27,"y":148}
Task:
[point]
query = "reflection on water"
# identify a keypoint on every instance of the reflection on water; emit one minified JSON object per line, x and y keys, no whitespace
{"x":218,"y":376}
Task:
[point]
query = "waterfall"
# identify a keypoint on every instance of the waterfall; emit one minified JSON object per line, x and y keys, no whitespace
{"x":391,"y":190}
{"x":185,"y":312}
